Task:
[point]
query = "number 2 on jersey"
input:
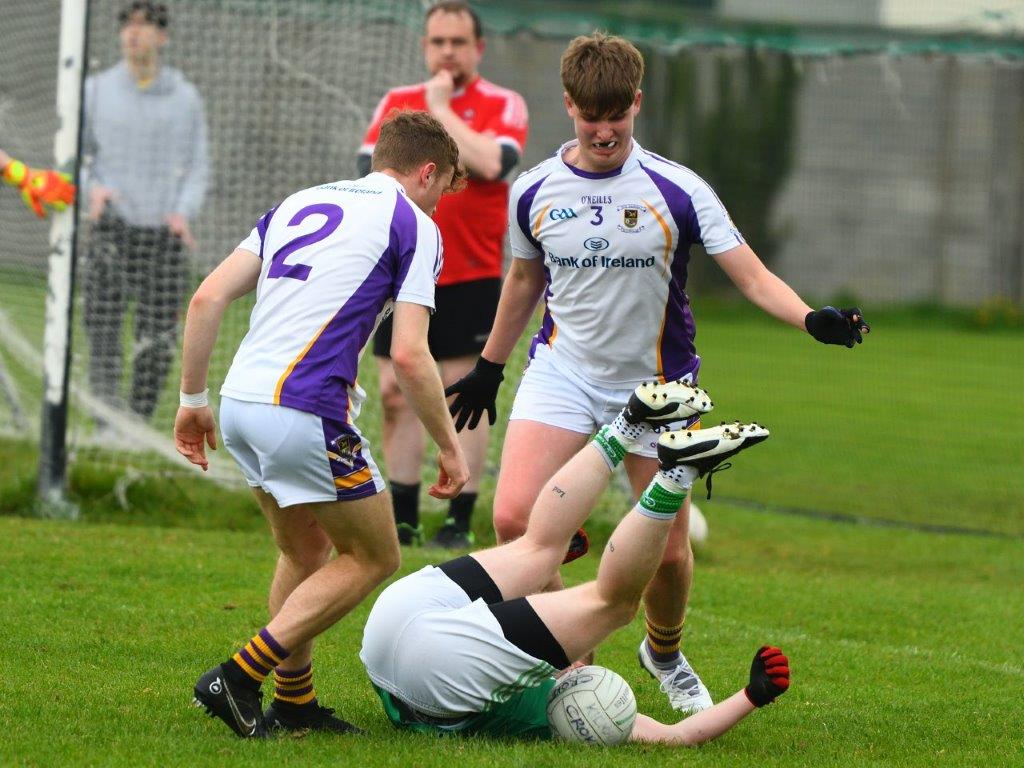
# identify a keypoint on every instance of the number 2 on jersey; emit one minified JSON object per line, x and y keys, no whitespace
{"x":278,"y":267}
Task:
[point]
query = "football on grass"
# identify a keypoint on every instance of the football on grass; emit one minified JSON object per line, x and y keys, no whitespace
{"x":592,"y":705}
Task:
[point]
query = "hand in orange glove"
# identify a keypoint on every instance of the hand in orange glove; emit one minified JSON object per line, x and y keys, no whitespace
{"x":40,"y":187}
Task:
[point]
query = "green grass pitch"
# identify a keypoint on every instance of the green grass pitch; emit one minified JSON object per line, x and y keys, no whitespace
{"x":904,"y":644}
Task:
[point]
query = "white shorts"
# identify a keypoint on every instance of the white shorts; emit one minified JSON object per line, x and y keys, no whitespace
{"x":298,"y":457}
{"x":426,"y":643}
{"x":552,"y":394}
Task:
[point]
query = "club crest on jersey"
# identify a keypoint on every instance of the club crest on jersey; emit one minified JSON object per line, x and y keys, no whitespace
{"x":631,"y":218}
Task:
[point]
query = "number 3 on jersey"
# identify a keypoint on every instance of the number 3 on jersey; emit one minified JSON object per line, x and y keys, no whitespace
{"x":278,"y":267}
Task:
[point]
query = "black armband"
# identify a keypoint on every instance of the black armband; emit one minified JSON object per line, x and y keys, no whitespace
{"x":364,"y":163}
{"x":509,"y":160}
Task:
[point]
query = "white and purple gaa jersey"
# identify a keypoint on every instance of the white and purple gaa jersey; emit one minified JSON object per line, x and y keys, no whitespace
{"x":335,"y":257}
{"x":616,"y":247}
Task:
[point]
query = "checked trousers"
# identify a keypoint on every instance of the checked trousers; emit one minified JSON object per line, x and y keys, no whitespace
{"x":126,"y":264}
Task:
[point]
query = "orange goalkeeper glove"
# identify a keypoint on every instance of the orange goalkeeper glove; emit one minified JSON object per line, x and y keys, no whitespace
{"x":39,"y":188}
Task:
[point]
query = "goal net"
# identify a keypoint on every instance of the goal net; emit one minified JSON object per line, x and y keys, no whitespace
{"x":28,"y":69}
{"x":260,"y":98}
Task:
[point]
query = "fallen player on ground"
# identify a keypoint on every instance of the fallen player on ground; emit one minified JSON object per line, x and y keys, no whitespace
{"x":472,"y":646}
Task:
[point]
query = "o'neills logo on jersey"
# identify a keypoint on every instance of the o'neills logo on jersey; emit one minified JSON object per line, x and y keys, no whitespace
{"x":631,"y":222}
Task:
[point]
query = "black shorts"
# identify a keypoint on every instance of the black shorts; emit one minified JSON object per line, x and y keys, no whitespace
{"x":519,"y":621}
{"x":461,"y":323}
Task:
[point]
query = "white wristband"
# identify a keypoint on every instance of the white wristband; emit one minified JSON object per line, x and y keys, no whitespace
{"x":196,"y":400}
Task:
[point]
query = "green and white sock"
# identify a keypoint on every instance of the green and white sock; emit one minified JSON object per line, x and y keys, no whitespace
{"x":666,"y":493}
{"x":614,"y":440}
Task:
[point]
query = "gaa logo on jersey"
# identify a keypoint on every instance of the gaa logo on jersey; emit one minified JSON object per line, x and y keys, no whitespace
{"x":631,"y":213}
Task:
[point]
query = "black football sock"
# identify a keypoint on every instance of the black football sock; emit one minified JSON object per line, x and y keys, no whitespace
{"x":460,"y":510}
{"x":406,"y":500}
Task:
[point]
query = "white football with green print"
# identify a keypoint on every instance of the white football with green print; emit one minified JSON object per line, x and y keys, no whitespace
{"x":592,"y":705}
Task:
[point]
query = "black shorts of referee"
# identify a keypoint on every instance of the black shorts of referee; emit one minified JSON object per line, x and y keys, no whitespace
{"x":460,"y":324}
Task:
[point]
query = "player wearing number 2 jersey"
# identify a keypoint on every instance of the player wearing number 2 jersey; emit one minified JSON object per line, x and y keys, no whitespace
{"x":603,"y":230}
{"x":326,"y":264}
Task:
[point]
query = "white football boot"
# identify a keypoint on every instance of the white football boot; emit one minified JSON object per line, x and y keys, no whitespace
{"x":706,"y":449}
{"x":686,"y":693}
{"x":659,"y":405}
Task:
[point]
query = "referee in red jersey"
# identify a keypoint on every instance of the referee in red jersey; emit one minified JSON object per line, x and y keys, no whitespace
{"x":489,"y":123}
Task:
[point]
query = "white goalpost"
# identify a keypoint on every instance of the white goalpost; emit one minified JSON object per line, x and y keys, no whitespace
{"x":61,"y":268}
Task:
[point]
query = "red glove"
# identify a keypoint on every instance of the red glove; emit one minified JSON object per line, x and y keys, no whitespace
{"x":40,"y":187}
{"x":769,"y":676}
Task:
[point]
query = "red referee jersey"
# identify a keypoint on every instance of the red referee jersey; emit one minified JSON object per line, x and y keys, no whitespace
{"x":472,"y":222}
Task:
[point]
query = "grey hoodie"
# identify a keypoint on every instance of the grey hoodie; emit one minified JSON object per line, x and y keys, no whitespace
{"x":148,"y":145}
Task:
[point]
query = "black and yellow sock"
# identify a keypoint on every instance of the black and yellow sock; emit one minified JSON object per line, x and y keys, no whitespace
{"x":294,"y":686}
{"x":257,"y":658}
{"x":663,"y":643}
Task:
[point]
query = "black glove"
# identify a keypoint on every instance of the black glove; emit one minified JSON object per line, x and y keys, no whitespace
{"x":477,"y":392}
{"x":837,"y":326}
{"x":769,"y":676}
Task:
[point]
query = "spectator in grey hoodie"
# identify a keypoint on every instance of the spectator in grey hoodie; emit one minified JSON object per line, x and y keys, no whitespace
{"x":145,"y":177}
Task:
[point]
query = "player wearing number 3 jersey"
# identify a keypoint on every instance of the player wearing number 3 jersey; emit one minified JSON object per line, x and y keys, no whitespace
{"x":603,"y":231}
{"x":326,"y":264}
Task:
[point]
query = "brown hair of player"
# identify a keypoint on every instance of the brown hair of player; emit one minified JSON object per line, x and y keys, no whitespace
{"x":409,"y":139}
{"x":602,"y":74}
{"x":457,"y":6}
